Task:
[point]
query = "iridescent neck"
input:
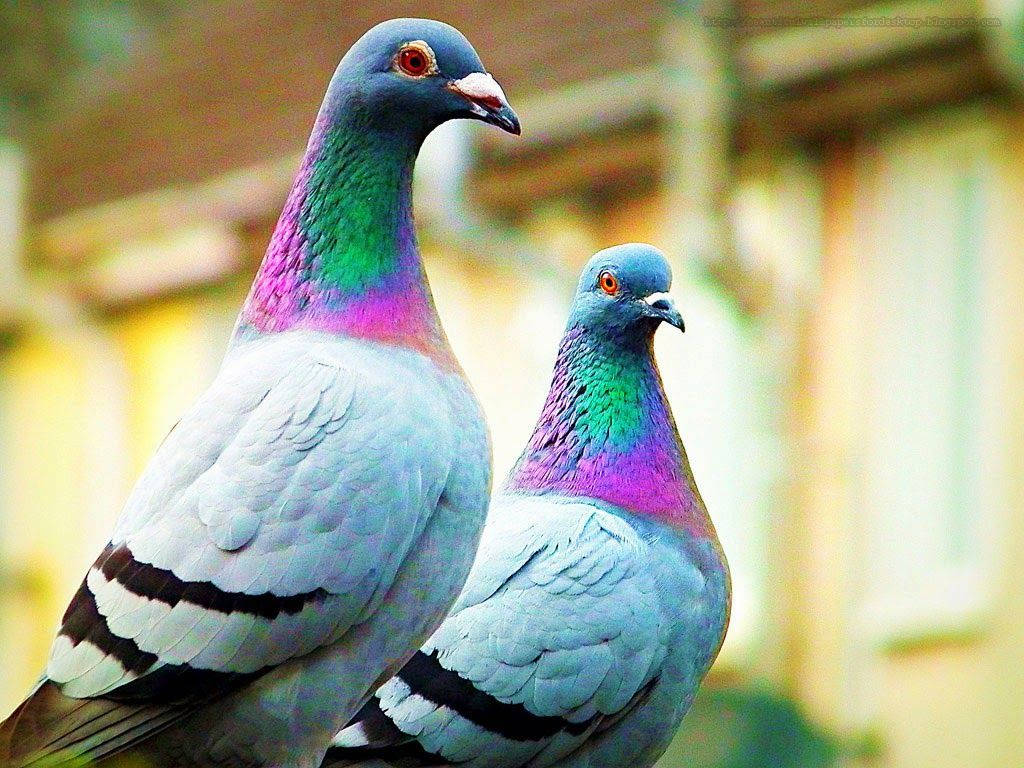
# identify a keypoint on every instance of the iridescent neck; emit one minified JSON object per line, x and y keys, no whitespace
{"x":344,"y":258}
{"x":606,"y":432}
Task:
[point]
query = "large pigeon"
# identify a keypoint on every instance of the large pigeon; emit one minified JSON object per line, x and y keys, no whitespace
{"x":600,"y":595}
{"x":309,"y":521}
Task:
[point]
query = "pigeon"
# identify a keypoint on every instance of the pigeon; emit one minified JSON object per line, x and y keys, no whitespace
{"x":308,"y":523}
{"x":600,"y":595}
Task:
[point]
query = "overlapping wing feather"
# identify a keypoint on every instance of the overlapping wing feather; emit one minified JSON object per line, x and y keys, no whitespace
{"x":272,"y":519}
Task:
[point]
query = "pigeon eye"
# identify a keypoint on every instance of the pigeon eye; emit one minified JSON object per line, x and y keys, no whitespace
{"x":415,"y":60}
{"x":608,"y":283}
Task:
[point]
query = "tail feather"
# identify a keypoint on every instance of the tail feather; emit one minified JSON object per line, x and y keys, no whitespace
{"x":371,"y":740}
{"x":407,"y":756}
{"x":333,"y":760}
{"x":51,"y":729}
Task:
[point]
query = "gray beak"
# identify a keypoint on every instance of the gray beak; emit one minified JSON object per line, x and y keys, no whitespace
{"x":662,"y":307}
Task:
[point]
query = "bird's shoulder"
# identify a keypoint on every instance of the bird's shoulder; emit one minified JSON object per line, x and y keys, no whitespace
{"x":561,"y":612}
{"x":294,"y":408}
{"x":560,"y":626}
{"x":274,"y":516}
{"x":555,"y":544}
{"x":390,"y":370}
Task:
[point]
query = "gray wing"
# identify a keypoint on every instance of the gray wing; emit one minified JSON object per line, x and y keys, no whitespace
{"x":272,"y":519}
{"x":558,"y":630}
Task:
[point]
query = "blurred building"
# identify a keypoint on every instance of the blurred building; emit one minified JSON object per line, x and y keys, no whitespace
{"x":840,"y":186}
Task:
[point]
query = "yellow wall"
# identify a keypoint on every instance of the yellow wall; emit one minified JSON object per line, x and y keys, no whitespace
{"x":47,"y":473}
{"x":171,"y":350}
{"x":81,"y":410}
{"x":962,"y":702}
{"x":955,"y":698}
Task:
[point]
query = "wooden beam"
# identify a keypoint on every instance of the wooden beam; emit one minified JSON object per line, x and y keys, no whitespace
{"x":860,"y":99}
{"x":833,"y":44}
{"x":631,"y":157}
{"x":556,"y":116}
{"x":697,"y":110}
{"x":142,"y":269}
{"x":75,"y":238}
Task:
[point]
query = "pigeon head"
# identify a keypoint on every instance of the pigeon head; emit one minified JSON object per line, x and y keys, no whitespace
{"x":416,"y":74}
{"x":606,"y":430}
{"x":343,"y":258}
{"x":623,"y":293}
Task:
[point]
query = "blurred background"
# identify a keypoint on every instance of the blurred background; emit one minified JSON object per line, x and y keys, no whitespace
{"x":840,"y":187}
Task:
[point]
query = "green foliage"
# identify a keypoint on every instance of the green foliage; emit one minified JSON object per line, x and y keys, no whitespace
{"x":749,"y":728}
{"x":43,"y":42}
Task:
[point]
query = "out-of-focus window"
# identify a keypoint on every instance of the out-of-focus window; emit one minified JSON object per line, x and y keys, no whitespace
{"x":728,"y":379}
{"x":929,"y":195}
{"x":12,"y":170}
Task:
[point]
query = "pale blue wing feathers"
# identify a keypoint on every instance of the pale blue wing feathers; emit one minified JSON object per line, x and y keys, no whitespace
{"x":573,"y":629}
{"x":272,"y":518}
{"x":560,"y":627}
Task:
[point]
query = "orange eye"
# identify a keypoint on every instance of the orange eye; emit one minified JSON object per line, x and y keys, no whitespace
{"x":415,"y":60}
{"x":608,"y":283}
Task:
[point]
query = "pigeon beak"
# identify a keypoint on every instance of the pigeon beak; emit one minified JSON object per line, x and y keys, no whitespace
{"x":487,"y":101}
{"x":662,"y":307}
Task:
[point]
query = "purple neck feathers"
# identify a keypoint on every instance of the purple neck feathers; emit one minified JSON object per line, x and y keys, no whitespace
{"x":606,"y":432}
{"x":343,"y":258}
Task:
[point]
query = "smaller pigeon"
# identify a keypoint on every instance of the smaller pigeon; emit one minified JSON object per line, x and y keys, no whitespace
{"x":600,"y":595}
